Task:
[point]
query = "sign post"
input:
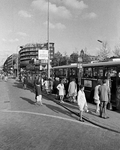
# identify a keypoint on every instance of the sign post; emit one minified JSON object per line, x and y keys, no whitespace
{"x":80,"y":67}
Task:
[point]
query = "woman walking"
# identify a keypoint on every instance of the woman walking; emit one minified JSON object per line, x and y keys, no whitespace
{"x":38,"y":93}
{"x":96,"y":96}
{"x":82,"y":103}
{"x":61,"y":90}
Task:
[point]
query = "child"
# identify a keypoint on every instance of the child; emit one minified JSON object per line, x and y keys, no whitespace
{"x":61,"y":90}
{"x":82,"y":103}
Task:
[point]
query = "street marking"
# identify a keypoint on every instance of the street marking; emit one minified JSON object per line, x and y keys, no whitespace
{"x":46,"y":115}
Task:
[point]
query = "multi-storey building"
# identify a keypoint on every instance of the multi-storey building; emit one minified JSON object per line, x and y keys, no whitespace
{"x":30,"y":51}
{"x":10,"y":63}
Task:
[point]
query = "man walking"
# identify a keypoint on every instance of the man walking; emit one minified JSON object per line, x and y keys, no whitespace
{"x":104,"y":93}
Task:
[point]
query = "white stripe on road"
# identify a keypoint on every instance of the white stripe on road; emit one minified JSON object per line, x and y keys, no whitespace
{"x":46,"y":115}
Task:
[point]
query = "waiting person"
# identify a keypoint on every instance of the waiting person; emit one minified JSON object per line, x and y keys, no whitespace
{"x":96,"y":96}
{"x":72,"y":90}
{"x":104,"y":93}
{"x":82,"y":103}
{"x":61,"y":90}
{"x":46,"y":85}
{"x":6,"y":78}
{"x":25,"y":81}
{"x":37,"y":87}
{"x":55,"y":84}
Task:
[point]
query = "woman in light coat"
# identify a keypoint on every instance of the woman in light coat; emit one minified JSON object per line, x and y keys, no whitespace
{"x":96,"y":96}
{"x":72,"y":90}
{"x":82,"y":103}
{"x":61,"y":90}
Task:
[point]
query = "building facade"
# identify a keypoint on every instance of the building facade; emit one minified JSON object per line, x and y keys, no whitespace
{"x":30,"y":51}
{"x":10,"y":63}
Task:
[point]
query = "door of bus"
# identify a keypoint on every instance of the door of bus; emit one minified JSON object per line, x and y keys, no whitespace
{"x":118,"y":90}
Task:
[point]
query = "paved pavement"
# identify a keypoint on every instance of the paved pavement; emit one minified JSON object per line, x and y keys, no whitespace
{"x":4,"y":97}
{"x":112,"y":123}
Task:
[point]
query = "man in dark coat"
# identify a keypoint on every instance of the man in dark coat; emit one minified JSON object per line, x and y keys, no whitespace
{"x":37,"y":87}
{"x":104,"y":93}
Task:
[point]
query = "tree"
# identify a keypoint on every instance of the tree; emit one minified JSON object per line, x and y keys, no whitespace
{"x":57,"y":59}
{"x":117,"y":51}
{"x":74,"y":57}
{"x":104,"y":52}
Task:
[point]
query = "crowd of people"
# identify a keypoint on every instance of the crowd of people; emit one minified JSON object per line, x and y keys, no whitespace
{"x":70,"y":91}
{"x":4,"y":77}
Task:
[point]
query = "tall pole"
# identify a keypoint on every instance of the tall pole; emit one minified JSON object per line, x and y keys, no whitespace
{"x":17,"y":62}
{"x":48,"y":44}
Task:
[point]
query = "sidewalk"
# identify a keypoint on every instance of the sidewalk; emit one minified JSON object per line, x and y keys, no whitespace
{"x":4,"y":97}
{"x":112,"y":123}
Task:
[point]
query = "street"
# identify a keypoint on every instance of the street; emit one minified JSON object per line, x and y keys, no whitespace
{"x":26,"y":126}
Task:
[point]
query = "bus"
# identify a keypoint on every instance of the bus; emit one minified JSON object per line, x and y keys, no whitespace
{"x":91,"y":72}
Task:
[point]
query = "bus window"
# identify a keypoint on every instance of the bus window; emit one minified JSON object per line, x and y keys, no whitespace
{"x":100,"y":72}
{"x":57,"y":73}
{"x":87,"y":72}
{"x":110,"y":72}
{"x":65,"y":72}
{"x":61,"y":72}
{"x":70,"y":71}
{"x":73,"y":71}
{"x":95,"y":74}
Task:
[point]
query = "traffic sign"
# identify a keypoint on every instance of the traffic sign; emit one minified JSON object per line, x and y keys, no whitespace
{"x":43,"y":54}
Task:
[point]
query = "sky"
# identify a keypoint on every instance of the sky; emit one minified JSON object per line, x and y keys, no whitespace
{"x":73,"y":24}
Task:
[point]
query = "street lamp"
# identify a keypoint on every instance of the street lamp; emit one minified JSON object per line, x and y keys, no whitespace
{"x":48,"y":44}
{"x":100,"y":41}
{"x":80,"y":68}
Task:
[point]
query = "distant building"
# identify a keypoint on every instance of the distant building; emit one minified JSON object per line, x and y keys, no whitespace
{"x":30,"y":51}
{"x":10,"y":62}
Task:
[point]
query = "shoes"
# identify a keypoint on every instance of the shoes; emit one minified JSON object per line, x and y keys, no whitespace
{"x":81,"y":120}
{"x":97,"y":111}
{"x":106,"y":117}
{"x":61,"y":101}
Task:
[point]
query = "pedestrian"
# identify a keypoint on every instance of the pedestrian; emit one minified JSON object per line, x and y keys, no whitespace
{"x":25,"y":82}
{"x":6,"y":78}
{"x":61,"y":90}
{"x":104,"y":93}
{"x":46,"y":85}
{"x":96,"y":96}
{"x":72,"y":90}
{"x":82,"y":103}
{"x":55,"y":84}
{"x":37,"y":87}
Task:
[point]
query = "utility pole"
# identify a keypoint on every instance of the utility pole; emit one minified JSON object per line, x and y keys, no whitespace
{"x":48,"y":44}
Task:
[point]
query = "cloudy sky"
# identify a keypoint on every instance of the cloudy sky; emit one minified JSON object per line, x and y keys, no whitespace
{"x":74,"y":24}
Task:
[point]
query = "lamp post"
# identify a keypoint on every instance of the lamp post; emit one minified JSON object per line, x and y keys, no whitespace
{"x":48,"y":43}
{"x":80,"y":68}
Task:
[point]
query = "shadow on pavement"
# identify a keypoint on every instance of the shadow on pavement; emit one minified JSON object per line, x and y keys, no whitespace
{"x":59,"y":110}
{"x":28,"y":100}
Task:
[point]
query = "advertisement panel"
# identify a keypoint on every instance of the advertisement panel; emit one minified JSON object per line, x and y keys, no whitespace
{"x":42,"y":54}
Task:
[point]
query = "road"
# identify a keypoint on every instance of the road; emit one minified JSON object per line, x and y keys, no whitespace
{"x":26,"y":126}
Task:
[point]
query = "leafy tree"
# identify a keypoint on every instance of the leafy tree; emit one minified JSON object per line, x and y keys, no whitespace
{"x":117,"y":51}
{"x":74,"y":57}
{"x":104,"y":52}
{"x":86,"y":58}
{"x":57,"y":59}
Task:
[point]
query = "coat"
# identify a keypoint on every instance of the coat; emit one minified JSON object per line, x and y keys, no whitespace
{"x":104,"y":93}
